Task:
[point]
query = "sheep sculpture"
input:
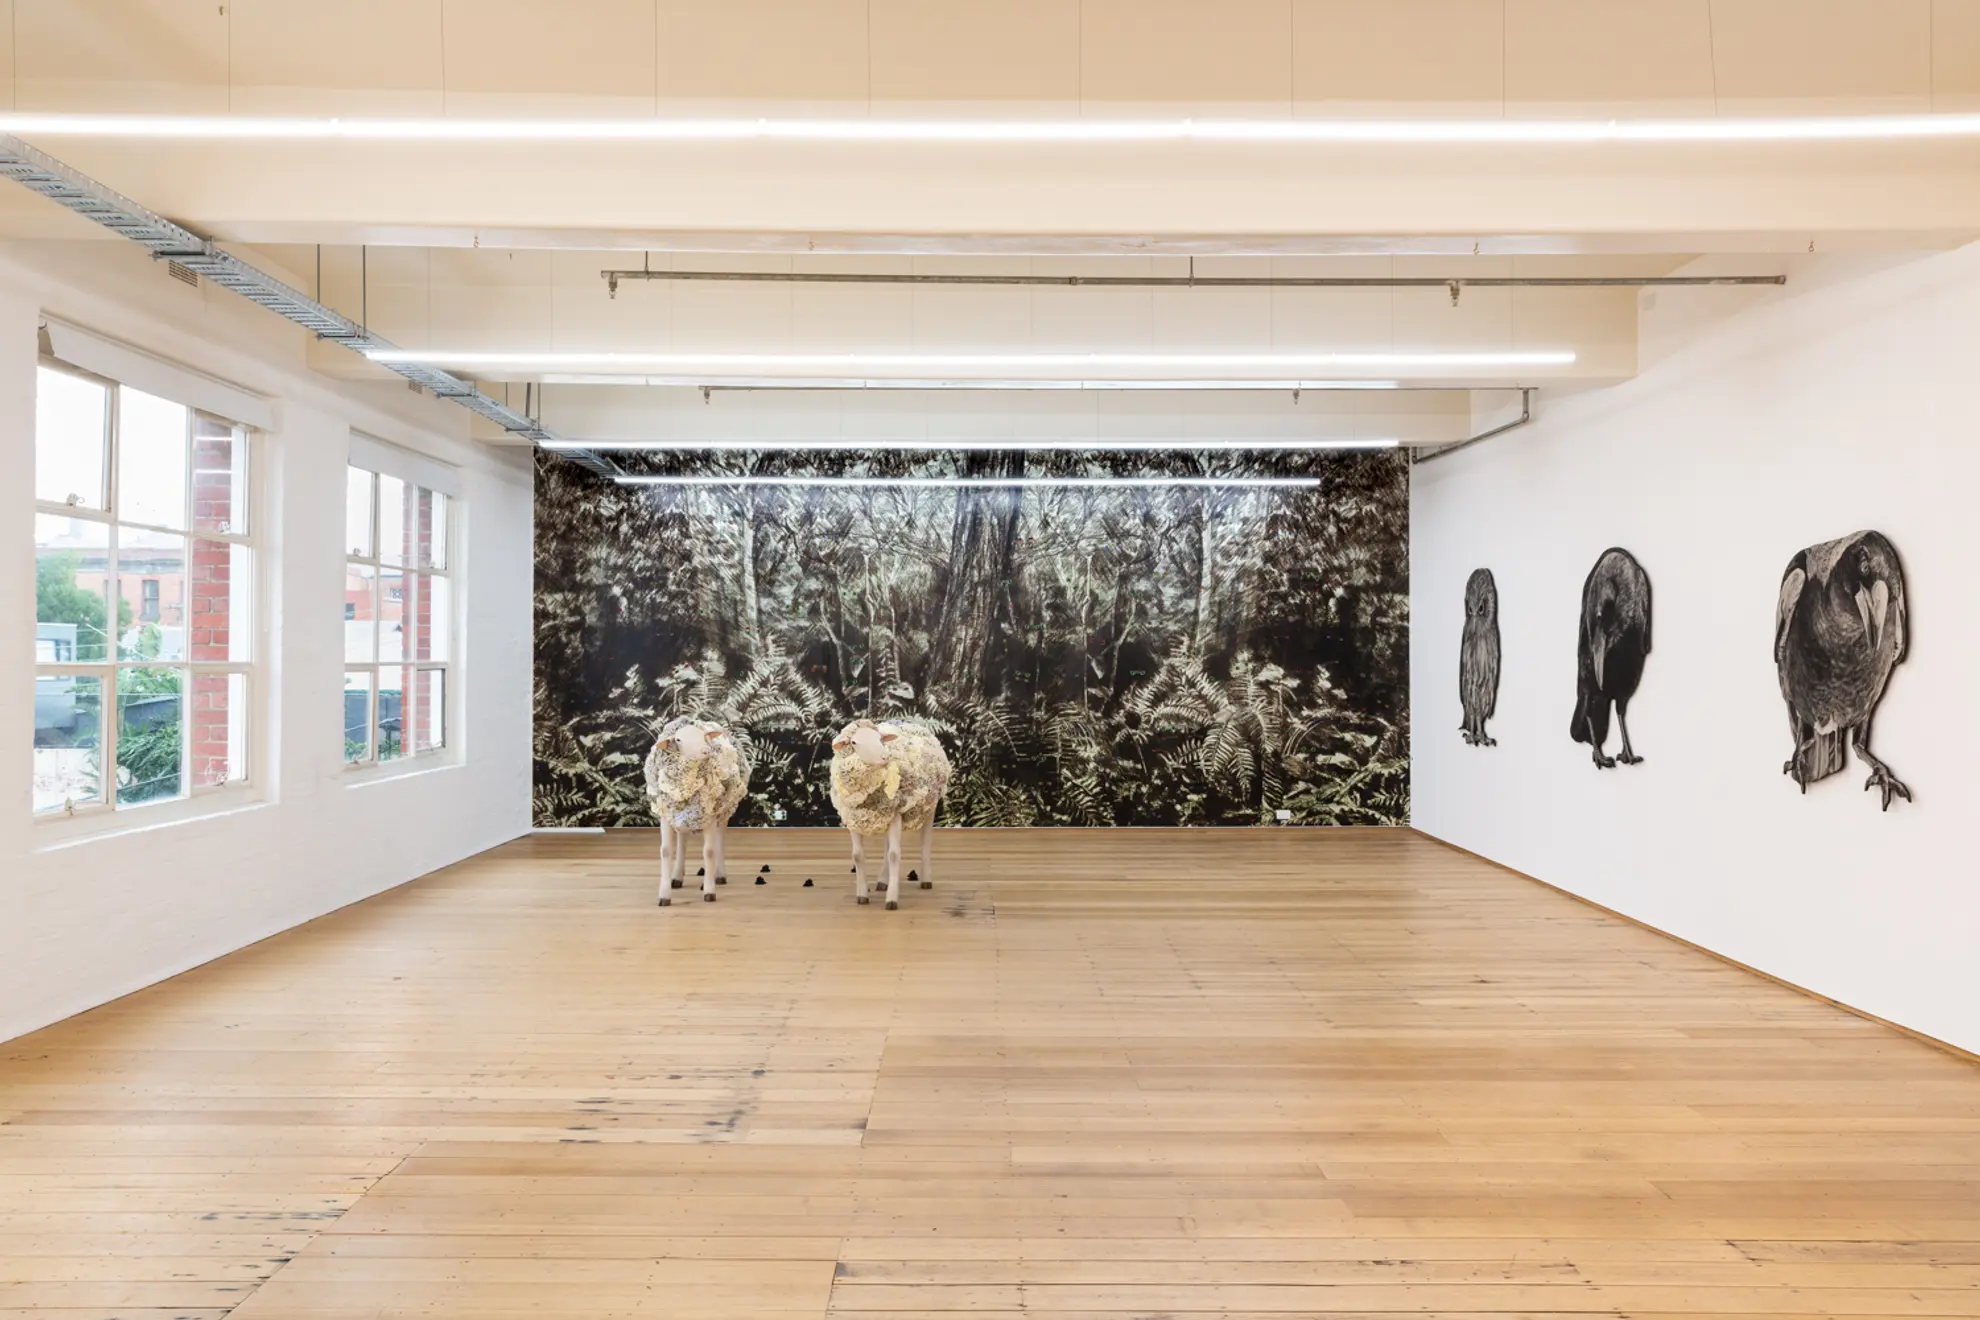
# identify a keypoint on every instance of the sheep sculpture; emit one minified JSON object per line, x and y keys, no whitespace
{"x":696,"y":777}
{"x":888,"y":776}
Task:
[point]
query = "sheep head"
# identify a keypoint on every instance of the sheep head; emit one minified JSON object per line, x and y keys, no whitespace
{"x":866,"y":740}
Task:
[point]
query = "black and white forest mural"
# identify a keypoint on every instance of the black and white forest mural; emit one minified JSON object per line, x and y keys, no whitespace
{"x":1090,"y":656}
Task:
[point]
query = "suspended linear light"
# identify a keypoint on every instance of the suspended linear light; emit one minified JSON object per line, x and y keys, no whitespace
{"x":858,"y":364}
{"x":940,"y":483}
{"x":1568,"y":132}
{"x":974,"y":445}
{"x":952,"y":383}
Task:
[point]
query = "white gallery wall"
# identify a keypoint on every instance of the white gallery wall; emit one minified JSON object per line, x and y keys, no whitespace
{"x":85,"y":920}
{"x":1763,"y":422}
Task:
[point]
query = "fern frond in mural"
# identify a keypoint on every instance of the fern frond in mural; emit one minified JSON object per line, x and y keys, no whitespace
{"x":1090,"y":656}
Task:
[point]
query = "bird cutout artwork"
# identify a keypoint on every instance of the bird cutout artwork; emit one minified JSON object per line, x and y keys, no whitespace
{"x":1478,"y":657}
{"x":1840,"y":628}
{"x":1612,"y":642}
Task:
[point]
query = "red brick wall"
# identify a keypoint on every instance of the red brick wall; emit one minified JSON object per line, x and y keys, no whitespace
{"x":209,"y":621}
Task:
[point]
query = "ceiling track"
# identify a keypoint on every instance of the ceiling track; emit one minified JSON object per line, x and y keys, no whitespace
{"x":168,"y":241}
{"x":1455,"y":284}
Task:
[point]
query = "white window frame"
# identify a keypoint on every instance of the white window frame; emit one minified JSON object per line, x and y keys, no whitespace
{"x":417,"y":473}
{"x":194,"y":799}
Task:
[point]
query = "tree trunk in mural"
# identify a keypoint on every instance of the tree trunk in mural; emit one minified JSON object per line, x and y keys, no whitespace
{"x":1206,"y":581}
{"x":966,"y":652}
{"x":752,"y":619}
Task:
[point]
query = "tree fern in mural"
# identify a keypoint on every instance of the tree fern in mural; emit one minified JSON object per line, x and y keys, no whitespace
{"x":1090,"y":656}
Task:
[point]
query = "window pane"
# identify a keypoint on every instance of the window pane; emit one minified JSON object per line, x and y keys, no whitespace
{"x":433,"y":528}
{"x":71,"y":430}
{"x":151,"y":579}
{"x":220,"y":621}
{"x":398,"y":522}
{"x":357,"y":715}
{"x":392,"y":614}
{"x":67,"y":736}
{"x":220,"y":488}
{"x":357,"y":512}
{"x":428,"y":718}
{"x":150,"y":735}
{"x":360,"y":613}
{"x":151,"y":459}
{"x":432,"y":618}
{"x":71,"y":591}
{"x":391,"y":712}
{"x":219,"y":729}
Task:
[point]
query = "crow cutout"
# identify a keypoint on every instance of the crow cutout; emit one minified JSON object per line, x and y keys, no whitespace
{"x":1614,"y":638}
{"x":1478,"y":657}
{"x":1839,"y":630}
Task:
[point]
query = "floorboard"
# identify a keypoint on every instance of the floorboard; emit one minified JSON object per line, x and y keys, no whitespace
{"x":1094,"y":1074}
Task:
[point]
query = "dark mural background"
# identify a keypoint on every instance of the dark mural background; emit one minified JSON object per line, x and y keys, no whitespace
{"x":1144,"y":656}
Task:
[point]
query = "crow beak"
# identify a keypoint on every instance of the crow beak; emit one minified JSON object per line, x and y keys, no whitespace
{"x":1873,"y":605}
{"x":1601,"y":648}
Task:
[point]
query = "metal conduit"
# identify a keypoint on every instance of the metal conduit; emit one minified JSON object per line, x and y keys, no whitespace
{"x":1455,"y":284}
{"x":166,"y":240}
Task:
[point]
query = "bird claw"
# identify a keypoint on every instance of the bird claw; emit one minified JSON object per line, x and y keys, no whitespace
{"x":1604,"y":762}
{"x":1629,"y":758}
{"x":1889,"y":783}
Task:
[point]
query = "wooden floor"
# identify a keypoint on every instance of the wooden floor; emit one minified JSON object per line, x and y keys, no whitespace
{"x":1097,"y":1074}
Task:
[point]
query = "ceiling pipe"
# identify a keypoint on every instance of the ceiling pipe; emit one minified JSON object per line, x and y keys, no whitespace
{"x":168,"y":241}
{"x":1442,"y":451}
{"x":1455,"y":284}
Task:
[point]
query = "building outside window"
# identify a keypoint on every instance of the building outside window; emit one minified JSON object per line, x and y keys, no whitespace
{"x":398,"y":613}
{"x":144,"y":572}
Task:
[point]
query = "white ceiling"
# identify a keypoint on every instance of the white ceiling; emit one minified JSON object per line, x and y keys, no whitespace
{"x":499,"y":245}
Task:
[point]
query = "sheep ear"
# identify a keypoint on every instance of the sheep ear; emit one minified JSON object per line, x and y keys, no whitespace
{"x":840,"y":744}
{"x":888,"y":737}
{"x":716,"y":733}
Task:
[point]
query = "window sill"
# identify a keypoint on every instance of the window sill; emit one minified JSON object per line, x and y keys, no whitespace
{"x":391,"y":772}
{"x":52,"y":833}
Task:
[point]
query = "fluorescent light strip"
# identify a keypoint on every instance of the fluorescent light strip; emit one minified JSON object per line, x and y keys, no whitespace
{"x":894,"y":444}
{"x":951,"y":383}
{"x":1814,"y":128}
{"x":945,"y":483}
{"x":853,"y":364}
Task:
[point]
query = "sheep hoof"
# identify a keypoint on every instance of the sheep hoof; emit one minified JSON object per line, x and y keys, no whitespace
{"x":666,"y":902}
{"x":927,"y":884}
{"x":675,"y":883}
{"x":861,"y":899}
{"x":700,"y":871}
{"x":708,"y":898}
{"x":892,"y":904}
{"x":721,"y":879}
{"x":766,"y":868}
{"x":761,"y":881}
{"x":807,"y":882}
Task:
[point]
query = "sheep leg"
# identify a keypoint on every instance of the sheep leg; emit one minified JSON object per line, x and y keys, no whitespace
{"x":708,"y":845}
{"x":666,"y":861}
{"x":894,"y":862}
{"x":859,"y":869}
{"x":927,"y":852}
{"x":721,"y":868}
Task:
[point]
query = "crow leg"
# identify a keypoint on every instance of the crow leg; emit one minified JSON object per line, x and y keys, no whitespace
{"x":1602,"y":760}
{"x":1626,"y":756}
{"x":1880,"y":774}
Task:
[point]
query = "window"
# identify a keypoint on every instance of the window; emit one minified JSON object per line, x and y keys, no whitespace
{"x":398,"y":618}
{"x":144,"y":598}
